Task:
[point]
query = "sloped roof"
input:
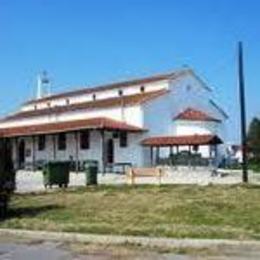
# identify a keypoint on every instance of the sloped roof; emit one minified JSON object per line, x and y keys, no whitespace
{"x":181,"y":140}
{"x":195,"y":115}
{"x":97,"y":104}
{"x":214,"y":104}
{"x":100,"y":123}
{"x":123,"y":84}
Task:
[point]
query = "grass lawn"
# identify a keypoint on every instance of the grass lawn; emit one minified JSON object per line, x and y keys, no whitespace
{"x":168,"y":211}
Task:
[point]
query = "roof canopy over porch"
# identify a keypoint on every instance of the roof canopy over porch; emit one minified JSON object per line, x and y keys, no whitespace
{"x":100,"y":123}
{"x":184,"y":140}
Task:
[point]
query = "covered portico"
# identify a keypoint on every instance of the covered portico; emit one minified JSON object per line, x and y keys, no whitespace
{"x":176,"y":143}
{"x":78,"y":140}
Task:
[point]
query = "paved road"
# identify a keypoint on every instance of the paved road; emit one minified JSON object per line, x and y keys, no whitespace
{"x":41,"y":251}
{"x":20,"y":249}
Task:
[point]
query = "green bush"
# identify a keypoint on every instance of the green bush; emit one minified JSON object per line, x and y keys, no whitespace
{"x":254,"y":165}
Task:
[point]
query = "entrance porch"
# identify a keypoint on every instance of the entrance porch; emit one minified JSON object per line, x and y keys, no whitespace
{"x":104,"y":140}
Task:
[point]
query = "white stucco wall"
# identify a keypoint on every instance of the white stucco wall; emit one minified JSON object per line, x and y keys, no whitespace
{"x":132,"y":153}
{"x":100,"y":95}
{"x":129,"y":114}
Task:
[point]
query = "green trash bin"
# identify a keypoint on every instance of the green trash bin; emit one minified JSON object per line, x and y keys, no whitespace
{"x":56,"y":173}
{"x":91,"y":170}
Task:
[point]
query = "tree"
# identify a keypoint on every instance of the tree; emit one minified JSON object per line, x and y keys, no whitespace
{"x":253,"y":138}
{"x":7,"y":176}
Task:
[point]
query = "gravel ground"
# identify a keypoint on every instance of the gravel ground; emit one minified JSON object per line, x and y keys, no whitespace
{"x":33,"y":181}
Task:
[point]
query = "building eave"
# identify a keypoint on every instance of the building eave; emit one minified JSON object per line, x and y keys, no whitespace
{"x":99,"y":123}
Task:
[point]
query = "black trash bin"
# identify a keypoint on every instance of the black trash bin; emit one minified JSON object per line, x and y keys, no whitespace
{"x":91,"y":170}
{"x":56,"y":173}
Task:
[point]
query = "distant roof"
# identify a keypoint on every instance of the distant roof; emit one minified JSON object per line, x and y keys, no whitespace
{"x":100,"y":123}
{"x":195,"y":115}
{"x":123,"y":84}
{"x":95,"y":104}
{"x":181,"y":140}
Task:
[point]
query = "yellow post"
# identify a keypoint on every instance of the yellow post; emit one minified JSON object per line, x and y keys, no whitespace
{"x":160,"y":175}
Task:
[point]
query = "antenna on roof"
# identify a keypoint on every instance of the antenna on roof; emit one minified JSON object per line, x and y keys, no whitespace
{"x":43,"y":85}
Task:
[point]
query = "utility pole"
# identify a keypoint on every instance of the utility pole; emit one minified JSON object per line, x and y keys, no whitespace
{"x":242,"y":111}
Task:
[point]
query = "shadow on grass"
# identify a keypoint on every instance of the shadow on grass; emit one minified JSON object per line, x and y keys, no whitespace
{"x":21,"y":212}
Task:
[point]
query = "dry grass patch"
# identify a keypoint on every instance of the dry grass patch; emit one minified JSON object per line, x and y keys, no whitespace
{"x":167,"y":211}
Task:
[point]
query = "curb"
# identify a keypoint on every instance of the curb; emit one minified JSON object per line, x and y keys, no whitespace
{"x":121,"y":240}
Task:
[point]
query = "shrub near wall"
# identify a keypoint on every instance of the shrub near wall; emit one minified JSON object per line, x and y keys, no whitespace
{"x":7,"y":176}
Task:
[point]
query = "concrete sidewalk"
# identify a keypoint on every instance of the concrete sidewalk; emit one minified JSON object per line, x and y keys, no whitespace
{"x":27,"y":181}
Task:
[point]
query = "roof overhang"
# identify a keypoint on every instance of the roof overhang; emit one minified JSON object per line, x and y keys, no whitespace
{"x":124,"y":101}
{"x":100,"y":123}
{"x":161,"y":141}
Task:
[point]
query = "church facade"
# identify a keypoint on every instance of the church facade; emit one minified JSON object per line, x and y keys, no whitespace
{"x":135,"y":121}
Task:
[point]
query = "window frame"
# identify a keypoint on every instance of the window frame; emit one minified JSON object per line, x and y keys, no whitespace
{"x":41,"y":143}
{"x":123,"y":139}
{"x":62,"y":141}
{"x":120,"y":93}
{"x":84,"y":140}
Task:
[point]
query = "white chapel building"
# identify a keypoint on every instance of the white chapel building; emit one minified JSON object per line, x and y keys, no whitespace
{"x":135,"y":121}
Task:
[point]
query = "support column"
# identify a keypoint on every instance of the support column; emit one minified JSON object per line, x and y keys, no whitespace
{"x":170,"y":155}
{"x":33,"y":153}
{"x":102,"y":133}
{"x":151,"y":155}
{"x":76,"y":135}
{"x":54,"y":146}
{"x":16,"y":154}
{"x":216,"y":153}
{"x":157,"y":154}
{"x":189,"y":156}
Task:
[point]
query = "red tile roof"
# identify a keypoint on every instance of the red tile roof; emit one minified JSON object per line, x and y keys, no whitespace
{"x":97,"y":104}
{"x":69,"y":126}
{"x":181,"y":140}
{"x":195,"y":115}
{"x":122,"y":84}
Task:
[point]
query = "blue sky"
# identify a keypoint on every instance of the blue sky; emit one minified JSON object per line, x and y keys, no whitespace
{"x":81,"y":42}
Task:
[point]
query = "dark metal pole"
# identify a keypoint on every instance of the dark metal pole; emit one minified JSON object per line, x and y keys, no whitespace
{"x":242,"y":111}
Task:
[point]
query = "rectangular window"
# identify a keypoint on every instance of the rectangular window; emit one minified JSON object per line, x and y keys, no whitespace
{"x":62,"y":142}
{"x":115,"y":134}
{"x":84,"y":140}
{"x":41,"y":143}
{"x":123,"y":139}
